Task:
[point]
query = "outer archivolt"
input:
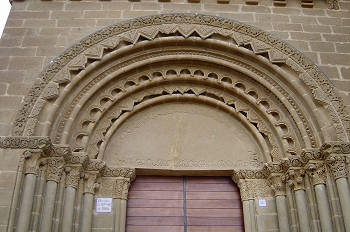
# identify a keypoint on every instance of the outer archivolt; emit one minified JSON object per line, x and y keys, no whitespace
{"x":205,"y":33}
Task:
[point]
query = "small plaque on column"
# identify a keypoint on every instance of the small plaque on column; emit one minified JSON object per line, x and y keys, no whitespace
{"x":104,"y":205}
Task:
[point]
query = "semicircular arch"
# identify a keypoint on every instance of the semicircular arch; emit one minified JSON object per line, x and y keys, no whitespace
{"x":274,"y":87}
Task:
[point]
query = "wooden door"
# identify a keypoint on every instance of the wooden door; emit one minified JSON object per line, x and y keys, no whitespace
{"x":184,"y":204}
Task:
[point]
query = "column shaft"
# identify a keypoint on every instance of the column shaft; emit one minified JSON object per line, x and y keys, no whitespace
{"x":26,"y":203}
{"x":68,"y":211}
{"x":49,"y":206}
{"x":252,"y":215}
{"x":88,"y":204}
{"x":282,"y":213}
{"x":324,"y":208}
{"x":117,"y":215}
{"x":303,"y":217}
{"x":344,"y":197}
{"x":122,"y":222}
{"x":246,"y":216}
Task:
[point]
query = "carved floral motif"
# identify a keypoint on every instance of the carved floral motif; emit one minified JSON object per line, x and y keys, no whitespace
{"x":338,"y":166}
{"x":278,"y":183}
{"x":317,"y":172}
{"x":296,"y":177}
{"x":55,"y":167}
{"x":33,"y":142}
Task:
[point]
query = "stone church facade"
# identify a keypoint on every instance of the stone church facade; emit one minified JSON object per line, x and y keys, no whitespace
{"x":94,"y":94}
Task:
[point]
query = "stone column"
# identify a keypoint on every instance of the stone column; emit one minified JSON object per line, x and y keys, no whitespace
{"x":246,"y":197}
{"x":92,"y":175}
{"x":122,"y":191}
{"x":74,"y":170}
{"x":296,"y":176}
{"x":317,"y":172}
{"x":30,"y":172}
{"x":116,"y":183}
{"x":337,"y":165}
{"x":54,"y":171}
{"x":278,"y":184}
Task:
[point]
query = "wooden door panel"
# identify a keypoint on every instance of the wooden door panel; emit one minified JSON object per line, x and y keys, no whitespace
{"x":214,"y":212}
{"x":214,"y":229}
{"x":131,"y":228}
{"x":157,"y":204}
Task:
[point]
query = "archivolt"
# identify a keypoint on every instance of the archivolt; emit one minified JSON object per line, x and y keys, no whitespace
{"x":276,"y":89}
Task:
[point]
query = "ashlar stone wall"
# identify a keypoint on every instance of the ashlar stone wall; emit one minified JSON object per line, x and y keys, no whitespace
{"x":37,"y":31}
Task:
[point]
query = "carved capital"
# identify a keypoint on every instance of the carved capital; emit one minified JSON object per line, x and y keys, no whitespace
{"x":278,"y":183}
{"x":295,"y":177}
{"x":91,"y":182}
{"x":337,"y":165}
{"x":122,"y":188}
{"x":32,"y":161}
{"x":92,"y":177}
{"x":317,"y":172}
{"x":55,"y":167}
{"x":74,"y":168}
{"x":244,"y":190}
{"x":73,"y":175}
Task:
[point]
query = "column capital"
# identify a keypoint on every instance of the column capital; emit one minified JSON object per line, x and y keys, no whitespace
{"x":337,"y":165}
{"x":92,"y":169}
{"x":122,"y":188}
{"x":317,"y":172}
{"x":295,"y":177}
{"x":74,"y":168}
{"x":32,"y":161}
{"x":278,"y":183}
{"x":55,"y":167}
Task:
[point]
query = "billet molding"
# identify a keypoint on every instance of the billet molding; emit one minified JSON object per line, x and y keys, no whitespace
{"x":92,"y":47}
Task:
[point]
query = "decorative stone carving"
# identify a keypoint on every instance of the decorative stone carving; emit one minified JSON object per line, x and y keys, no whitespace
{"x":122,"y":188}
{"x":55,"y":167}
{"x":34,"y":142}
{"x":250,"y":174}
{"x":185,"y":24}
{"x":278,"y":183}
{"x":333,"y":4}
{"x":317,"y":172}
{"x":252,"y":183}
{"x":74,"y":168}
{"x":295,"y":177}
{"x":312,"y":154}
{"x":335,"y":148}
{"x":92,"y":170}
{"x":73,"y":175}
{"x":337,"y":165}
{"x":119,"y":172}
{"x":32,"y":161}
{"x":116,"y":182}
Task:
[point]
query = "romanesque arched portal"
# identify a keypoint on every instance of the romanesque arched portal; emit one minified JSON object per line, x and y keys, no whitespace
{"x":181,"y":94}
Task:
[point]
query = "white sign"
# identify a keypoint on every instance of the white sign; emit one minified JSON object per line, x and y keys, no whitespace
{"x":104,"y":205}
{"x":262,"y":203}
